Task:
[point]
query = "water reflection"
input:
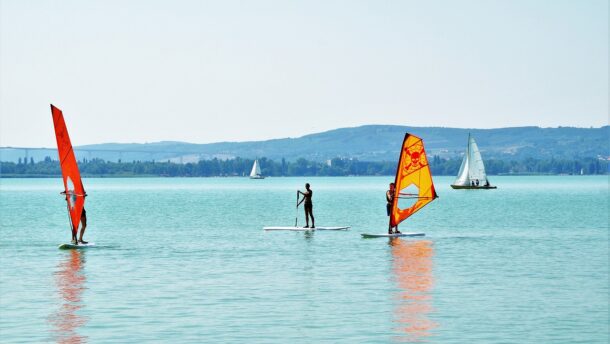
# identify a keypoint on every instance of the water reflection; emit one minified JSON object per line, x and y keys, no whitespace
{"x":70,"y":282}
{"x":309,"y":235}
{"x":412,"y":268}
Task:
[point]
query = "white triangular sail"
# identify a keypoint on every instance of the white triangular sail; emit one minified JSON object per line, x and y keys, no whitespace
{"x":477,"y":168}
{"x":462,"y":177}
{"x":256,"y":170}
{"x":472,"y":168}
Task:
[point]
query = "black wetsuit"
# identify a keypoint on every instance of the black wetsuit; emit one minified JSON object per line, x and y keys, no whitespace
{"x":389,"y":205}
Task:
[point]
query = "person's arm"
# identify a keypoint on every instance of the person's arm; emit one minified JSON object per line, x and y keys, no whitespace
{"x":301,"y":201}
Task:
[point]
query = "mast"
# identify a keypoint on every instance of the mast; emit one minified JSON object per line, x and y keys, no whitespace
{"x":393,"y":221}
{"x":468,"y":181}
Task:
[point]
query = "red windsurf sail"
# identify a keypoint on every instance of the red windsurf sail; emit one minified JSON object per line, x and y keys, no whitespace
{"x":73,"y":185}
{"x":413,"y":180}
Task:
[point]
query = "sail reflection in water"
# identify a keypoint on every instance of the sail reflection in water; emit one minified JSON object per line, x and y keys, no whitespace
{"x":70,"y":281}
{"x":412,"y":267}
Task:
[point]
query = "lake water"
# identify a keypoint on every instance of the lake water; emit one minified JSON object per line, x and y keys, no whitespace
{"x":186,"y":260}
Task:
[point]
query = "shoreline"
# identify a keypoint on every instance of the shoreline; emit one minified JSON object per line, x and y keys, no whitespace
{"x":45,"y":176}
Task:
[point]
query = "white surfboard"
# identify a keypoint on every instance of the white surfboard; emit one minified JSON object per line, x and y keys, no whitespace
{"x":398,"y":235}
{"x":71,"y":246}
{"x":301,"y":229}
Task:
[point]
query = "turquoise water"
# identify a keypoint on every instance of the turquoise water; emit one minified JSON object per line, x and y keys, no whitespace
{"x":186,"y":260}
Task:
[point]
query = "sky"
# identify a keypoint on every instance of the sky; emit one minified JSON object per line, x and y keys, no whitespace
{"x":209,"y":71}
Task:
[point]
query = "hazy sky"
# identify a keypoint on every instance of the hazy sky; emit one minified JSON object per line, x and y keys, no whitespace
{"x":207,"y":71}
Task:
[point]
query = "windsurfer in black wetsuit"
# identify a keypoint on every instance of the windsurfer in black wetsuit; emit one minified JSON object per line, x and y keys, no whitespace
{"x":389,"y":196}
{"x":308,"y":205}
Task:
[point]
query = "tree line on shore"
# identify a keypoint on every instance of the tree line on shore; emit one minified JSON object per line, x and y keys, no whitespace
{"x":300,"y":167}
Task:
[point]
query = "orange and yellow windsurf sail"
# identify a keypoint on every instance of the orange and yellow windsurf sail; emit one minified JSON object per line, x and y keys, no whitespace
{"x":73,"y":185}
{"x":413,"y":180}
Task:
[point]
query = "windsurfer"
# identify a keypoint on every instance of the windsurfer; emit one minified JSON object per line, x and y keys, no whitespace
{"x":308,"y":205}
{"x":389,"y":196}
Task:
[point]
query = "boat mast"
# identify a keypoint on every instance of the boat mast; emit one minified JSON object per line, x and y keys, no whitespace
{"x":469,"y":160}
{"x":396,"y":186}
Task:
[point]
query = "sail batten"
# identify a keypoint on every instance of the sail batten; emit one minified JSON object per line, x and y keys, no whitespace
{"x":73,"y":185}
{"x":412,"y":172}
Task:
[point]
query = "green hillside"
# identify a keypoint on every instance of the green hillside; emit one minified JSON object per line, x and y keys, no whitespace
{"x":365,"y":143}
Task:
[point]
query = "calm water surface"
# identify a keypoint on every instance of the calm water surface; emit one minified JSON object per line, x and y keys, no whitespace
{"x":186,"y":260}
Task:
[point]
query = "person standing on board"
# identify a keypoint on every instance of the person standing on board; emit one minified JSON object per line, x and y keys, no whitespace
{"x":389,"y":196}
{"x":308,"y":205}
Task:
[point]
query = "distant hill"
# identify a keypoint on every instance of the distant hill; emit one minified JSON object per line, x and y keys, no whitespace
{"x":366,"y":143}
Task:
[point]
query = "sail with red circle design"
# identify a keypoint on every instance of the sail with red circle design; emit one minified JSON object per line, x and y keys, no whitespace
{"x":414,"y":185}
{"x":73,"y":185}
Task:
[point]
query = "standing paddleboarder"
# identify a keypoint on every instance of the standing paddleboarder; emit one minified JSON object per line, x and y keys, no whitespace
{"x":308,"y":205}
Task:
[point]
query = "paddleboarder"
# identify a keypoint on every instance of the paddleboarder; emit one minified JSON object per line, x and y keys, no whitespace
{"x":308,"y":205}
{"x":389,"y":196}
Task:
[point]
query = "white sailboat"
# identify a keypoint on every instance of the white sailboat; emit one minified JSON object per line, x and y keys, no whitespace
{"x":256,"y":171}
{"x":472,"y":172}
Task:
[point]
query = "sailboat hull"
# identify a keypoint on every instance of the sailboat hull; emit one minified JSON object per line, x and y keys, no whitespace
{"x":257,"y":177}
{"x":473,"y":187}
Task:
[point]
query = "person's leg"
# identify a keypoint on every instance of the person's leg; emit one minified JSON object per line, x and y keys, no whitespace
{"x":83,"y":221}
{"x":388,"y":209}
{"x":313,"y":221}
{"x":306,"y":218}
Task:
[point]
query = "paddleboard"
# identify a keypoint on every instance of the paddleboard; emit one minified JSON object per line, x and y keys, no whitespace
{"x":301,"y":229}
{"x":79,"y":246}
{"x":386,"y":235}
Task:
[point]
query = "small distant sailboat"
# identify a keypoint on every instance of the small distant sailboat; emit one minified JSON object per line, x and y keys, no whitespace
{"x":413,"y":184}
{"x":256,"y":171}
{"x":73,"y":185}
{"x":472,"y":171}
